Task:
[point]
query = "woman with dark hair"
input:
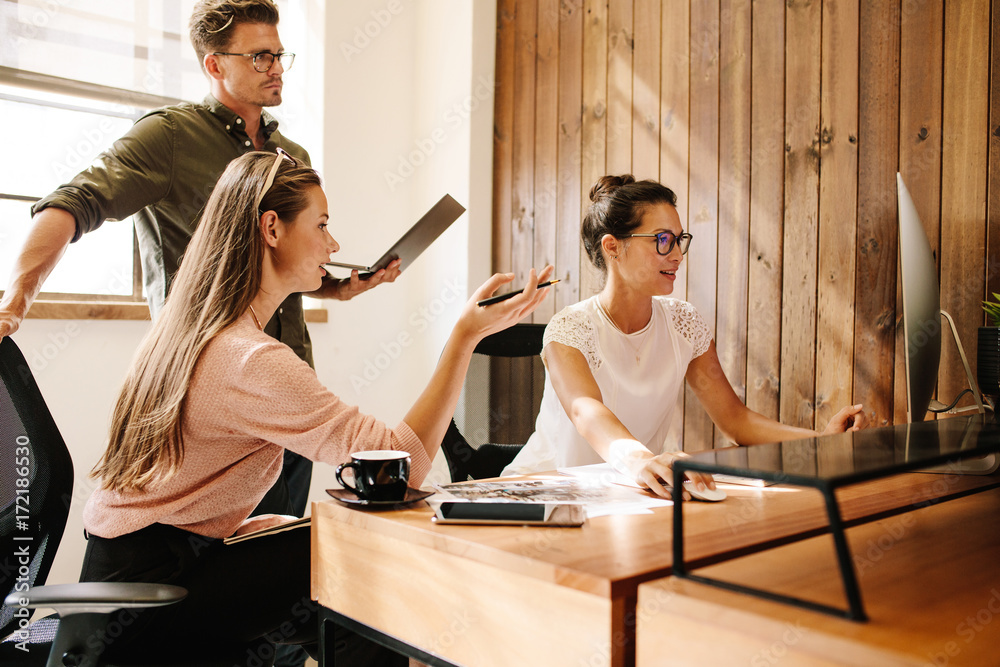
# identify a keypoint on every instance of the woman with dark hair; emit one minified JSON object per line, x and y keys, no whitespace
{"x":211,"y":402}
{"x":616,"y":363}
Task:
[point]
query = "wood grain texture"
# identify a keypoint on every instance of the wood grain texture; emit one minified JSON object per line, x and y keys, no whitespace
{"x":522,"y":225}
{"x":734,"y":195}
{"x":901,"y":87}
{"x":964,"y":161}
{"x":569,"y":188}
{"x":646,"y":90}
{"x":904,"y":564}
{"x":104,"y":310}
{"x":838,"y":210}
{"x":611,"y":555}
{"x":803,"y":25}
{"x":620,"y":45}
{"x":703,"y":196}
{"x":675,"y":118}
{"x":767,"y":127}
{"x":505,"y":386}
{"x":593,"y":158}
{"x":546,"y":145}
{"x":470,"y":612}
{"x":675,"y":97}
{"x":503,"y":135}
{"x":436,"y":586}
{"x":875,"y":284}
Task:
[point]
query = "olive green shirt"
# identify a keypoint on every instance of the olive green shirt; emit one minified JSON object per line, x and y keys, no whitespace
{"x":162,"y":173}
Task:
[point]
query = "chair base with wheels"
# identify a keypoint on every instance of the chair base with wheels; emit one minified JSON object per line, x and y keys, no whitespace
{"x":84,"y":611}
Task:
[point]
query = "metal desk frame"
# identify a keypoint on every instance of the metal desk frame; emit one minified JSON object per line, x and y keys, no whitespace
{"x":705,"y":462}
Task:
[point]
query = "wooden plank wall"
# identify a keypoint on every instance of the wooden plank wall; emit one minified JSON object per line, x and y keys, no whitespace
{"x":781,"y":124}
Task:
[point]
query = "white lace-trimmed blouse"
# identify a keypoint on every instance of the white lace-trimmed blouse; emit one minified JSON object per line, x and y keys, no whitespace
{"x":640,"y":376}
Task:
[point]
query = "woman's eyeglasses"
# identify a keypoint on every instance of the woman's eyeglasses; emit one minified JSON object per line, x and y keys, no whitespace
{"x":665,"y":241}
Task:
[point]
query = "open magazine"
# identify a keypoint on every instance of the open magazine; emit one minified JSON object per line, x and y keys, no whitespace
{"x":597,"y":496}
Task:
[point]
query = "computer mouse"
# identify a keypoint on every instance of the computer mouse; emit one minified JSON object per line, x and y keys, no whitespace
{"x":706,"y":494}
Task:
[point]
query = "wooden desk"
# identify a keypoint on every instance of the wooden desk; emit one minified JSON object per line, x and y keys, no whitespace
{"x":483,"y":596}
{"x":931,"y":580}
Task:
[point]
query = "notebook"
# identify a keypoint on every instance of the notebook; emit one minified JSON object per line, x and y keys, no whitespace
{"x":415,"y":240}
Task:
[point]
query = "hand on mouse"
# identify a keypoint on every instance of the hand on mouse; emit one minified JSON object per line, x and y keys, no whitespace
{"x":656,"y":474}
{"x":706,"y":494}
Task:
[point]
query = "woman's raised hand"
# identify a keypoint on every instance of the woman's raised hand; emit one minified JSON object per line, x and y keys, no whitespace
{"x":478,"y":322}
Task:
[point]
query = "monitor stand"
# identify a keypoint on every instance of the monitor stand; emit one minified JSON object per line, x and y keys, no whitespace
{"x":939,"y":407}
{"x":979,"y":466}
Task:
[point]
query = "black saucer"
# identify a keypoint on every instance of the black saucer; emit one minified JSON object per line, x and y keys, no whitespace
{"x":349,"y":498}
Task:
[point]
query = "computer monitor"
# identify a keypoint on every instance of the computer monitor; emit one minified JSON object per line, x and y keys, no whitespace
{"x":922,"y":331}
{"x":922,"y":317}
{"x":921,"y":308}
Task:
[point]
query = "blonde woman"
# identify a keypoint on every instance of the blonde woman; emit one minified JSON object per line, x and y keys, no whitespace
{"x":211,"y":402}
{"x":615,"y":364}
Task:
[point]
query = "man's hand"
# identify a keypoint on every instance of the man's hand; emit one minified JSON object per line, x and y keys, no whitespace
{"x":346,"y":289}
{"x":8,"y":323}
{"x":12,"y":310}
{"x":52,"y":230}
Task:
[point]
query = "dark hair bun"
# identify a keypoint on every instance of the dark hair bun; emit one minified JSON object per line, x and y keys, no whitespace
{"x":607,"y":185}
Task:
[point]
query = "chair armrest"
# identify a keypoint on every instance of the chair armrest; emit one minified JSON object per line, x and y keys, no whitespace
{"x":96,"y":597}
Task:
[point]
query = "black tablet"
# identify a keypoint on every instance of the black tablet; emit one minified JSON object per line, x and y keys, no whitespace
{"x":416,"y":239}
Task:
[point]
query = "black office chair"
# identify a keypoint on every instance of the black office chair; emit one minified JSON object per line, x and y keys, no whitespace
{"x":36,"y":485}
{"x":503,"y":391}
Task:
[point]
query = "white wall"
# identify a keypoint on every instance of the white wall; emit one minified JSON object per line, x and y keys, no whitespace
{"x":405,"y":88}
{"x":408,"y":117}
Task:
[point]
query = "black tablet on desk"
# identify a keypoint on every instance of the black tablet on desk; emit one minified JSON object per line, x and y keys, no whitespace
{"x":415,"y":240}
{"x":487,"y":512}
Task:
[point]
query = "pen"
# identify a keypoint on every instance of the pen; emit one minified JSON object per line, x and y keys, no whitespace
{"x":503,"y":297}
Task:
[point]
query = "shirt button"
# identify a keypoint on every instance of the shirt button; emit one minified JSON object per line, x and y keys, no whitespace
{"x":228,"y":127}
{"x":281,"y":311}
{"x":239,"y":121}
{"x":246,"y":143}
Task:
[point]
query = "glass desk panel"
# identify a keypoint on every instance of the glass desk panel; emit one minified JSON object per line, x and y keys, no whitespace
{"x":847,"y":458}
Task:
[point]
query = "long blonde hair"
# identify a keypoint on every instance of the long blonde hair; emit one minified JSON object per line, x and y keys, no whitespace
{"x":218,"y":278}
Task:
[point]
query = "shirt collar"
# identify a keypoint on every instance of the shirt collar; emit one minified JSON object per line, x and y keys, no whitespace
{"x":234,"y":124}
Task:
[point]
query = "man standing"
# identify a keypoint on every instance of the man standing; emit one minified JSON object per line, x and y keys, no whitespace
{"x":162,"y":172}
{"x":164,"y":169}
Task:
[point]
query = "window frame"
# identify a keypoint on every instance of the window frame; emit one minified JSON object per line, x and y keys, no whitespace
{"x":81,"y":90}
{"x":78,"y":305}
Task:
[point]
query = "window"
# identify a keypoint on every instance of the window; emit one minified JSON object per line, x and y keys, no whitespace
{"x":74,"y":76}
{"x":53,"y":137}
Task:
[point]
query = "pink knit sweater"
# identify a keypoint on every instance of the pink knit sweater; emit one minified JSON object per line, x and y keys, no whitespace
{"x":250,"y":398}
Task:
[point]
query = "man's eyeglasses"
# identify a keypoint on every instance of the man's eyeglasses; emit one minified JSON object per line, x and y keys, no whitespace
{"x":264,"y":60}
{"x":665,"y":241}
